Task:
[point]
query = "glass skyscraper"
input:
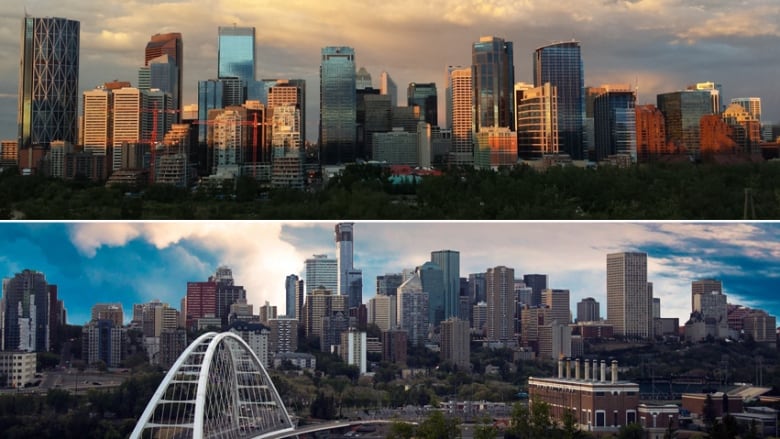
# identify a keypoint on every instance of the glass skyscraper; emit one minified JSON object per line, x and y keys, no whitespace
{"x":337,"y":105}
{"x":683,"y":111}
{"x":493,"y":82}
{"x":237,"y":53}
{"x":169,"y":44}
{"x":48,"y":81}
{"x":424,"y":96}
{"x":615,"y":123}
{"x":560,"y":64}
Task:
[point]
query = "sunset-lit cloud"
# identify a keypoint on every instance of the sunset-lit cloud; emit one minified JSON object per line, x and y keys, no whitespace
{"x":663,"y":45}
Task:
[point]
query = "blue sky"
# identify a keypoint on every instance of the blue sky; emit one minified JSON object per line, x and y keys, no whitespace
{"x":657,"y":45}
{"x":138,"y":262}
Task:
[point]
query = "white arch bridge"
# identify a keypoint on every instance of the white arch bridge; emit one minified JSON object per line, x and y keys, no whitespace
{"x":216,"y":389}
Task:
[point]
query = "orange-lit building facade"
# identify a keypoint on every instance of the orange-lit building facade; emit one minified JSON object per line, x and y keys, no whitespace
{"x":717,"y":137}
{"x":495,"y":147}
{"x":650,"y":133}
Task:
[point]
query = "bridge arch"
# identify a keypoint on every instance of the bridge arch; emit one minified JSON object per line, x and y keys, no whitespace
{"x":217,"y":388}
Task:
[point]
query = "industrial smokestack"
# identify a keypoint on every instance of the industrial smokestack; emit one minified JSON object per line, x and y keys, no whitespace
{"x":614,"y":371}
{"x":603,"y":371}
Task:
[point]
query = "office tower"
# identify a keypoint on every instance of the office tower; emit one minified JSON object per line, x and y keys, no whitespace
{"x":477,"y":287}
{"x":287,"y":155}
{"x":743,"y":127}
{"x":751,"y":105}
{"x":234,"y":141}
{"x":290,"y":92}
{"x":388,"y":283}
{"x":201,"y":301}
{"x":495,"y":147}
{"x":227,"y":293}
{"x":171,"y":47}
{"x":614,"y":122}
{"x":460,"y":116}
{"x":363,"y":79}
{"x":236,"y":53}
{"x":108,"y":311}
{"x":353,"y":349}
{"x":537,"y":283}
{"x":560,"y":64}
{"x":558,"y":302}
{"x":97,"y":127}
{"x":102,"y":341}
{"x":479,"y":317}
{"x":705,"y":286}
{"x":456,"y":343}
{"x":337,"y":106}
{"x":24,"y":308}
{"x":394,"y":346}
{"x":129,"y":122}
{"x":48,"y":82}
{"x":412,"y":312}
{"x":321,"y":273}
{"x":683,"y":111}
{"x":432,"y":279}
{"x":284,"y":335}
{"x":537,"y":121}
{"x":154,"y":317}
{"x":387,"y":87}
{"x":344,"y":253}
{"x":715,"y":91}
{"x":354,"y":288}
{"x":629,"y":301}
{"x":588,"y":310}
{"x":500,"y":304}
{"x":321,"y":303}
{"x":382,"y":311}
{"x":290,"y":294}
{"x":424,"y":96}
{"x":267,"y":312}
{"x":449,"y":261}
{"x":650,"y":132}
{"x":493,"y":80}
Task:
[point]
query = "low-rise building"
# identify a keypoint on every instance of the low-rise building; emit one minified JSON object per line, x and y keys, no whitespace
{"x":17,"y":368}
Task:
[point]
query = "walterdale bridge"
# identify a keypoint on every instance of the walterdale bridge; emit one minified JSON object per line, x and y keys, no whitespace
{"x":218,"y":388}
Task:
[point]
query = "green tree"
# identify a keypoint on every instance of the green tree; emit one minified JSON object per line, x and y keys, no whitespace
{"x":485,"y":429}
{"x":631,"y":431}
{"x":400,"y":430}
{"x":437,"y":426}
{"x":59,"y":400}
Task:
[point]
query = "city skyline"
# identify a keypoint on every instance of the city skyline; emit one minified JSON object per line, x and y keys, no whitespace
{"x":659,"y":45}
{"x":139,"y":262}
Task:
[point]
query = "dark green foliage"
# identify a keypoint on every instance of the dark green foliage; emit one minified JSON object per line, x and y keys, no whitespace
{"x":437,"y":426}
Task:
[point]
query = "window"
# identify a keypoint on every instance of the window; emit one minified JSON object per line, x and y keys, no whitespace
{"x":630,"y":417}
{"x":600,"y":418}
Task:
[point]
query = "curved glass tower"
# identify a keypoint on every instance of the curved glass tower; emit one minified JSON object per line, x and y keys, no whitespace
{"x":493,"y":76}
{"x":337,"y":105}
{"x":560,"y":64}
{"x":48,"y":81}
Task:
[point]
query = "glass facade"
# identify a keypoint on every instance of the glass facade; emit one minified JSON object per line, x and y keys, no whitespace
{"x":424,"y":96}
{"x":615,"y":124}
{"x":683,"y":111}
{"x":237,"y":53}
{"x":171,"y":45}
{"x":48,"y":81}
{"x":560,"y":64}
{"x":493,"y":75}
{"x":337,"y":105}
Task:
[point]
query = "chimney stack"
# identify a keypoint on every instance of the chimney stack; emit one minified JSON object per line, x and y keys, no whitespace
{"x":560,"y":367}
{"x":587,"y":370}
{"x":577,"y":369}
{"x":595,"y":370}
{"x":603,"y":371}
{"x":568,"y":368}
{"x":614,"y":371}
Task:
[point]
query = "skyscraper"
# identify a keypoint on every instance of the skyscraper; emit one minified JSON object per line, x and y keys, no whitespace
{"x":615,"y":122}
{"x":705,"y":286}
{"x":537,"y":120}
{"x":337,"y":106}
{"x":387,"y":87}
{"x":48,"y":82}
{"x":424,"y":96}
{"x":588,"y":310}
{"x":321,"y":272}
{"x":24,"y":308}
{"x":751,"y":105}
{"x":493,"y":79}
{"x":455,"y":343}
{"x":432,"y":279}
{"x":412,"y":311}
{"x":171,"y":47}
{"x":459,"y":116}
{"x":449,"y":261}
{"x":500,"y":304}
{"x":344,"y":254}
{"x":558,"y":302}
{"x":683,"y":111}
{"x":629,"y":300}
{"x":236,"y":53}
{"x":560,"y":64}
{"x":537,"y":283}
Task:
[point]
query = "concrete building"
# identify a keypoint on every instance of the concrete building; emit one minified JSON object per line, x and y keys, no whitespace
{"x":394,"y":346}
{"x":629,"y":300}
{"x":479,"y":313}
{"x":650,"y":133}
{"x":108,"y":311}
{"x":353,"y":349}
{"x":382,"y":311}
{"x":554,"y":340}
{"x":18,"y":368}
{"x":600,"y":406}
{"x":24,"y":312}
{"x":558,"y":302}
{"x":500,"y":305}
{"x":256,"y":335}
{"x":284,"y":335}
{"x":396,"y":147}
{"x":297,"y":359}
{"x":321,"y":303}
{"x":172,"y":344}
{"x":588,"y":310}
{"x":460,"y":116}
{"x":102,"y":341}
{"x":456,"y":343}
{"x":495,"y":148}
{"x":705,"y":286}
{"x":537,"y":120}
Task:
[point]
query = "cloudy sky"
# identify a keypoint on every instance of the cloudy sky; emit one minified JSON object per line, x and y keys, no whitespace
{"x":139,"y":262}
{"x":660,"y":45}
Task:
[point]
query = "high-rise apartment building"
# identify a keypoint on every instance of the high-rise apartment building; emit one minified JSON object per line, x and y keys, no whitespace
{"x":108,"y":311}
{"x":456,"y":343}
{"x":493,"y":81}
{"x":284,"y":335}
{"x":500,"y":304}
{"x":130,"y":122}
{"x":460,"y":116}
{"x":24,"y":308}
{"x":201,"y":302}
{"x":614,"y":120}
{"x":289,"y":92}
{"x":588,"y":310}
{"x":560,"y":64}
{"x":321,"y":273}
{"x":48,"y":81}
{"x":97,"y":120}
{"x":102,"y":341}
{"x":424,"y":96}
{"x":320,"y":305}
{"x":629,"y":300}
{"x":682,"y":112}
{"x":353,"y":349}
{"x":449,"y":261}
{"x":163,"y":49}
{"x":382,"y":311}
{"x":751,"y":105}
{"x":337,"y":106}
